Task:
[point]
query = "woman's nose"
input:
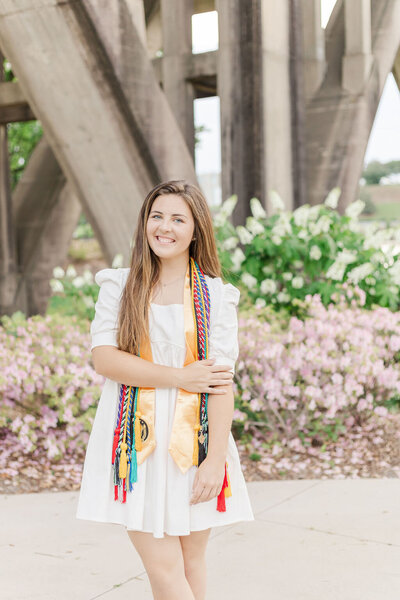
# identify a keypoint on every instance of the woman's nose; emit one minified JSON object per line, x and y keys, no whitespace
{"x":165,"y":226}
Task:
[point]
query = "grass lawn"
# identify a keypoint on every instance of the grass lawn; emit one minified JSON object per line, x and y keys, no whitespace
{"x":385,"y":210}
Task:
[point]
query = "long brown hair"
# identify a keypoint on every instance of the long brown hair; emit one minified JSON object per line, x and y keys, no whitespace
{"x":145,"y":265}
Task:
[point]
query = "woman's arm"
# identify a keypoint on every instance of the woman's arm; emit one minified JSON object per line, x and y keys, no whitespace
{"x":220,"y":415}
{"x":129,"y":369}
{"x":126,"y":368}
{"x":210,"y":474}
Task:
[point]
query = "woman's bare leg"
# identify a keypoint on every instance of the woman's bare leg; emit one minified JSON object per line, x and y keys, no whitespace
{"x":163,"y":560}
{"x":194,"y":557}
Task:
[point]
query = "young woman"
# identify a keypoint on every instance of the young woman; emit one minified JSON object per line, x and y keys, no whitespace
{"x":161,"y":459}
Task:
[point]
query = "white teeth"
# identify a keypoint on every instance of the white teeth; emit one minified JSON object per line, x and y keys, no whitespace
{"x":164,"y":240}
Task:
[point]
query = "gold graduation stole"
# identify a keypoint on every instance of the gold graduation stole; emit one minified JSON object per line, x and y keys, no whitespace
{"x":134,"y":437}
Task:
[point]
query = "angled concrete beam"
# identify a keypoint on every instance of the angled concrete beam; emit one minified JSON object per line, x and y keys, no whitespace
{"x":338,"y":124}
{"x":155,"y":122}
{"x":69,"y":82}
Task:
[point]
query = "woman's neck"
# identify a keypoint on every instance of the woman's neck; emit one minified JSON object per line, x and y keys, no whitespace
{"x":173,"y":268}
{"x":170,"y":286}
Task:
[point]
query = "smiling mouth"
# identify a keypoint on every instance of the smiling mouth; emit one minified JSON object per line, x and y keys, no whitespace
{"x":165,"y":241}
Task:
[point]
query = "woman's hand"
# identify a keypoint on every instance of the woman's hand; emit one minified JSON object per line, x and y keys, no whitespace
{"x":208,"y":480}
{"x":203,"y":376}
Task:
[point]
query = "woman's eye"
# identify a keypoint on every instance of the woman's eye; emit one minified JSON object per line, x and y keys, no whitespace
{"x":177,"y":219}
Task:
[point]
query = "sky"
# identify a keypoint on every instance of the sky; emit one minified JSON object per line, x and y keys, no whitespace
{"x":384,"y":142}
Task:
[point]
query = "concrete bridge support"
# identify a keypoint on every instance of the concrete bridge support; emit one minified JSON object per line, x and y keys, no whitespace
{"x":254,"y":86}
{"x":296,"y":112}
{"x":277,"y":100}
{"x":339,"y":120}
{"x":177,"y":51}
{"x":109,"y":138}
{"x":45,"y":214}
{"x":314,"y":63}
{"x":7,"y":233}
{"x":239,"y":87}
{"x":357,"y":60}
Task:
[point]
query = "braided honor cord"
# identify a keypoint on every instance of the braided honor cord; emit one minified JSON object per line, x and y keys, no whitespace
{"x":127,"y":433}
{"x":201,"y":307}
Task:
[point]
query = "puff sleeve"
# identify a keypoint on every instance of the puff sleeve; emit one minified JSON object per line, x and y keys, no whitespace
{"x":103,"y":328}
{"x":224,"y":345}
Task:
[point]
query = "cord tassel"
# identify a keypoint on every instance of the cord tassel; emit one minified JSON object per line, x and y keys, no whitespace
{"x":228,"y":491}
{"x":123,"y":461}
{"x":195,"y":460}
{"x":221,"y":507}
{"x":133,"y":473}
{"x":115,"y":443}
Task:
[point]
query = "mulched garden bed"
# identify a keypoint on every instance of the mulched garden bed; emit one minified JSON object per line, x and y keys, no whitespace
{"x":372,"y":452}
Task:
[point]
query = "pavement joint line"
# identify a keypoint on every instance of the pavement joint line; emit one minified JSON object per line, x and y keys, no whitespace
{"x":226,"y":528}
{"x":288,"y":498}
{"x":113,"y":588}
{"x":316,"y":529}
{"x":47,"y":554}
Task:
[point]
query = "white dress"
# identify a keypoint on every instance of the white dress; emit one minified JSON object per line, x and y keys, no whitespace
{"x":159,"y":502}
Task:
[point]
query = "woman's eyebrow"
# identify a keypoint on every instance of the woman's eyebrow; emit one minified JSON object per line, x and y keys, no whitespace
{"x":173,"y":215}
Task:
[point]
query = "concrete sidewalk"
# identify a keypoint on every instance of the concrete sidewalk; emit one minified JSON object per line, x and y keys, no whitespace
{"x":312,"y":539}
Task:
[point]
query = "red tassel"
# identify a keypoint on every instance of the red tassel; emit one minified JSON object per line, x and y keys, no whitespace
{"x":221,"y":501}
{"x":124,"y":491}
{"x":221,"y":496}
{"x":115,"y":443}
{"x":115,"y":492}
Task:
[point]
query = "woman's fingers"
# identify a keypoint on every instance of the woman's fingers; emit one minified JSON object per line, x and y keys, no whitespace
{"x":220,"y":389}
{"x":222,"y":368}
{"x":204,"y":495}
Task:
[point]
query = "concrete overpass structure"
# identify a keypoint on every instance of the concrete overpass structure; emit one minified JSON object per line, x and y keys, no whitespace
{"x":113,"y":85}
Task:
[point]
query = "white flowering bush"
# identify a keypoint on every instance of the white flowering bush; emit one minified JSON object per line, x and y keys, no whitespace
{"x":281,"y":258}
{"x":75,"y":294}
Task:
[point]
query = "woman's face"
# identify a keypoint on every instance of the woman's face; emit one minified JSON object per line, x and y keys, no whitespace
{"x":170,"y":226}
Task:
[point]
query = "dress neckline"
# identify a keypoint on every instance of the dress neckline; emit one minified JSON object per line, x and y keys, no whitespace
{"x":173,"y":304}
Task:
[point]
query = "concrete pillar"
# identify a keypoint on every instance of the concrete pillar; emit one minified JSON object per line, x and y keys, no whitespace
{"x":357,"y":60}
{"x":396,"y":69}
{"x":313,"y":46}
{"x":298,"y":104}
{"x":176,"y":17}
{"x":8,"y":254}
{"x":239,"y":87}
{"x":277,"y":99}
{"x":45,"y":215}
